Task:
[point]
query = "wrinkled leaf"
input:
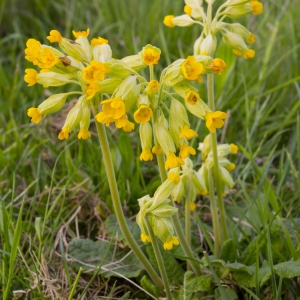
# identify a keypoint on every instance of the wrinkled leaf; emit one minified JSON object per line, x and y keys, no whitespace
{"x":150,"y":287}
{"x":228,"y":251}
{"x":89,"y":255}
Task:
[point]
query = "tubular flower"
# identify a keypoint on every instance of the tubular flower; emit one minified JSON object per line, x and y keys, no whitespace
{"x":84,"y":33}
{"x":168,"y":21}
{"x":145,"y":238}
{"x":32,"y":51}
{"x":168,"y":244}
{"x":231,"y":167}
{"x":174,"y":177}
{"x":173,"y":161}
{"x":146,"y":155}
{"x":191,"y":69}
{"x":215,"y":120}
{"x":34,"y":114}
{"x":84,"y":132}
{"x":185,"y":150}
{"x":54,"y":37}
{"x":143,"y":114}
{"x":98,"y":41}
{"x":188,"y":10}
{"x":46,"y":59}
{"x":191,"y":97}
{"x":218,"y":65}
{"x":31,"y":77}
{"x":234,"y":149}
{"x":257,"y":7}
{"x":251,"y":39}
{"x":94,"y":72}
{"x":112,"y":110}
{"x":187,"y":132}
{"x":157,"y":150}
{"x":150,"y":55}
{"x":153,"y":86}
{"x":249,"y":53}
{"x":128,"y":127}
{"x":91,"y":90}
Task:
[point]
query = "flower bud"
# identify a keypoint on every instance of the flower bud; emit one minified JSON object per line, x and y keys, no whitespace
{"x":135,"y":62}
{"x":208,"y":46}
{"x":84,"y":132}
{"x":118,"y":68}
{"x":234,"y":41}
{"x":102,"y":53}
{"x":183,"y":21}
{"x":129,"y":91}
{"x":75,"y":50}
{"x":164,"y":138}
{"x":237,"y":11}
{"x":199,"y":109}
{"x":150,"y":55}
{"x":146,"y":141}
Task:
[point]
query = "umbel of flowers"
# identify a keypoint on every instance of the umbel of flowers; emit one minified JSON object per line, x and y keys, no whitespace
{"x":234,"y":35}
{"x":126,"y":98}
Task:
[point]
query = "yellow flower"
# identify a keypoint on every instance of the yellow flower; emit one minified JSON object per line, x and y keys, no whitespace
{"x":257,"y":7}
{"x":153,"y":86}
{"x":231,"y":167}
{"x":145,"y":238}
{"x":191,"y":69}
{"x":251,"y":39}
{"x":31,"y":77}
{"x":143,"y":114}
{"x":249,"y":53}
{"x":98,"y":41}
{"x":173,"y":161}
{"x":112,"y":110}
{"x":192,"y":206}
{"x":157,"y":150}
{"x":187,"y":132}
{"x":234,"y":149}
{"x":84,"y":134}
{"x":146,"y":155}
{"x":168,"y":244}
{"x":150,"y":55}
{"x":185,"y":150}
{"x":34,"y":114}
{"x":188,"y":10}
{"x":81,"y":33}
{"x":94,"y":72}
{"x":191,"y":97}
{"x":91,"y":90}
{"x":168,"y":21}
{"x":64,"y":134}
{"x":129,"y":126}
{"x":54,"y":36}
{"x":215,"y":120}
{"x":237,"y":52}
{"x":32,"y":51}
{"x":174,"y":177}
{"x":46,"y":59}
{"x":218,"y":65}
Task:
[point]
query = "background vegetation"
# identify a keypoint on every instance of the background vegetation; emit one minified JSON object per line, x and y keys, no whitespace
{"x":52,"y":192}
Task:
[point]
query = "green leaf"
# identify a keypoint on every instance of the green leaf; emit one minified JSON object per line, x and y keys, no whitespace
{"x":244,"y":278}
{"x":229,"y":294}
{"x":193,"y":284}
{"x":174,"y":271}
{"x":288,"y":269}
{"x":114,"y":231}
{"x":150,"y":287}
{"x":228,"y":251}
{"x":88,"y":255}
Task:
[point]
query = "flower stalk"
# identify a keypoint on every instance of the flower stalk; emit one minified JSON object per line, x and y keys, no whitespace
{"x":159,"y":260}
{"x":117,"y":204}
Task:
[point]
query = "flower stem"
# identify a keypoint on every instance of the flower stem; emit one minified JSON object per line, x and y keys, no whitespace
{"x":188,"y":215}
{"x":211,"y":105}
{"x":159,"y":260}
{"x":214,"y":213}
{"x":117,"y":204}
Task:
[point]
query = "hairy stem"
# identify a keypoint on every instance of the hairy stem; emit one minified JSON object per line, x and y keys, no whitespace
{"x":159,"y":260}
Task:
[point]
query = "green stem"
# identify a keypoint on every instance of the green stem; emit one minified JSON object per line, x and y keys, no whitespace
{"x":188,"y":215}
{"x":211,"y":105}
{"x":159,"y":259}
{"x":214,"y":213}
{"x":117,"y":204}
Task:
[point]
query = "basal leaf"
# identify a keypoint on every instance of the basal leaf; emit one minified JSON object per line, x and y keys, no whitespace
{"x":150,"y":287}
{"x":227,"y":252}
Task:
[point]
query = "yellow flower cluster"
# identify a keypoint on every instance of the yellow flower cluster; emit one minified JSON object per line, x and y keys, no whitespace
{"x":234,"y":35}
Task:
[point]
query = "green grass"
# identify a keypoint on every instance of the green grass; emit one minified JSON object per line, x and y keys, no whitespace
{"x":44,"y":181}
